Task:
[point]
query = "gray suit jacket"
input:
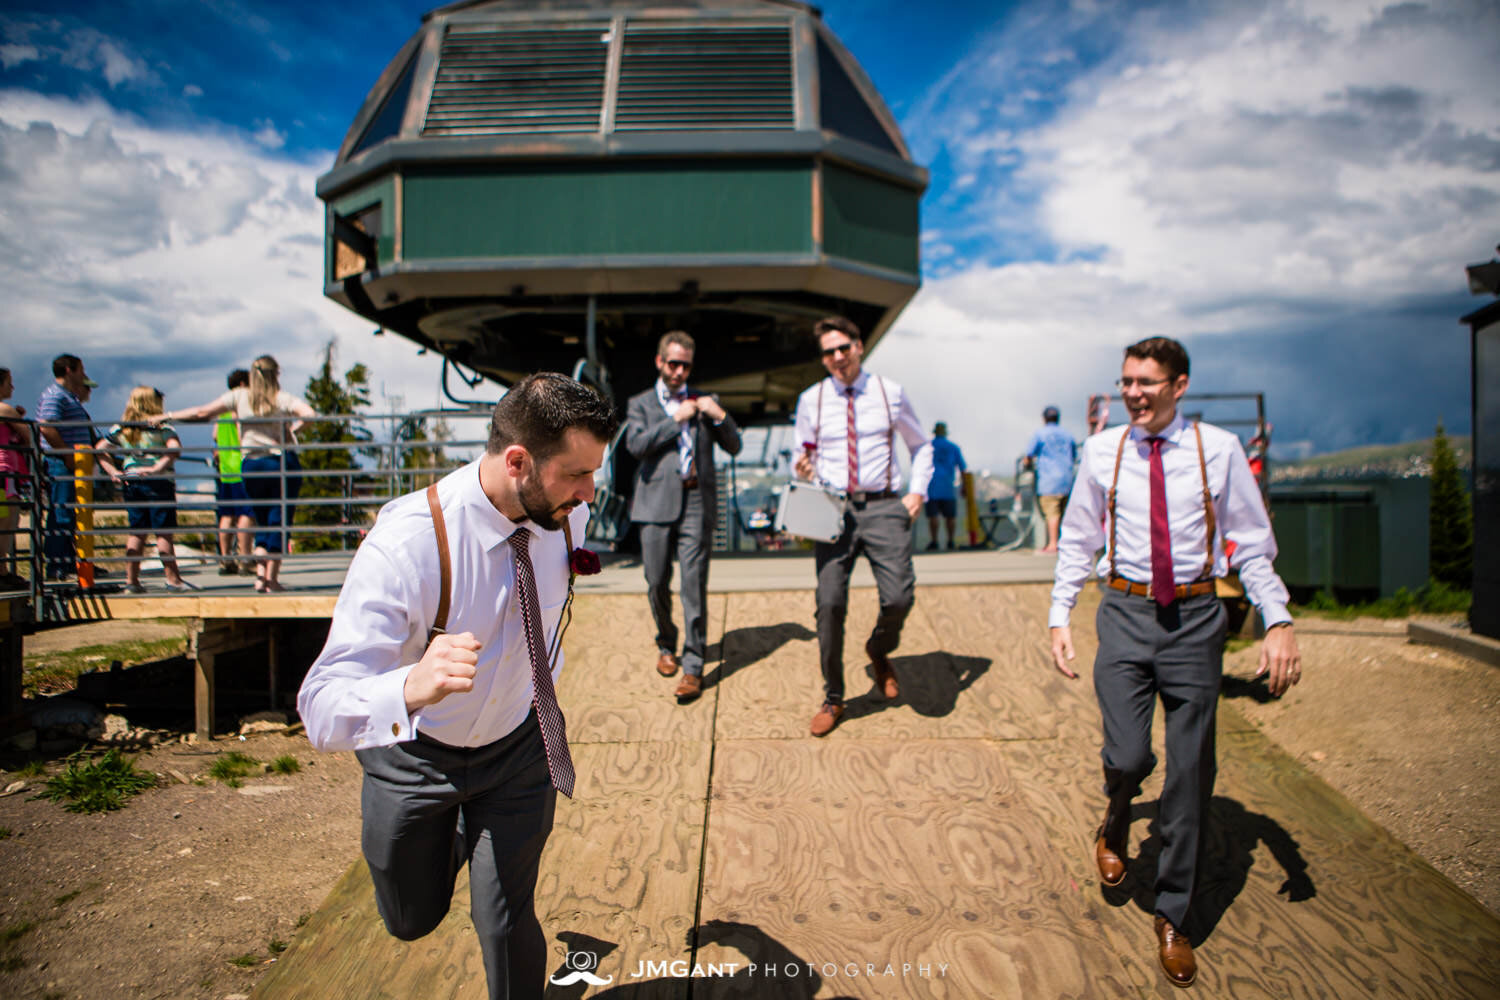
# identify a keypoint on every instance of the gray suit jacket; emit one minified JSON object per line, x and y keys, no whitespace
{"x":651,"y":436}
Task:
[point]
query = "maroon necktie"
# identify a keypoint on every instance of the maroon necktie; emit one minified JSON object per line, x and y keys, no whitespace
{"x":853,"y":447}
{"x":1163,"y":587}
{"x":548,"y":716}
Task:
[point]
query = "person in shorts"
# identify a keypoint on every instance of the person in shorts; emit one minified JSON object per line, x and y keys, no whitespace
{"x":942,"y":498}
{"x":236,"y":519}
{"x":139,"y":459}
{"x":1052,"y":453}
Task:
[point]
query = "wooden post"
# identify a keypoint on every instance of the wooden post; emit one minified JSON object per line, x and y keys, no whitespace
{"x":11,"y":660}
{"x":203,"y":682}
{"x":272,"y":643}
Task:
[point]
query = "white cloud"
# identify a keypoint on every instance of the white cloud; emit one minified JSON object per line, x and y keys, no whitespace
{"x":192,"y":90}
{"x":267,"y":135}
{"x":1266,"y":167}
{"x":167,"y":258}
{"x":12,"y":56}
{"x":90,"y":50}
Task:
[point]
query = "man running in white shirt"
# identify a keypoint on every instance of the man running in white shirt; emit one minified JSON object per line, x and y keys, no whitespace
{"x":440,"y":673}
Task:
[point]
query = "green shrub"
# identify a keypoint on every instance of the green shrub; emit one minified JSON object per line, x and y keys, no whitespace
{"x":102,"y":786}
{"x":231,"y":767}
{"x":285,"y":764}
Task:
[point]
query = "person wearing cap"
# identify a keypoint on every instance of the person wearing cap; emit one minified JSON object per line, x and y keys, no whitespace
{"x":1051,"y":454}
{"x":63,"y":423}
{"x":1167,"y":500}
{"x":848,"y":424}
{"x":942,"y":500}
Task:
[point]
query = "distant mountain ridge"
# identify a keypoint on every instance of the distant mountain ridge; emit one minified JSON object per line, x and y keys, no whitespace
{"x":1407,"y":459}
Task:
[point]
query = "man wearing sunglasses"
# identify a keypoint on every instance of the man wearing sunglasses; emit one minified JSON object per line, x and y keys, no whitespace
{"x":848,"y":424}
{"x":1168,"y":501}
{"x":671,"y":430}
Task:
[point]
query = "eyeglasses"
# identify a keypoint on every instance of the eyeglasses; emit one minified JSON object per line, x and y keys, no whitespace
{"x":684,"y":365}
{"x":1144,"y":383}
{"x":829,"y":352}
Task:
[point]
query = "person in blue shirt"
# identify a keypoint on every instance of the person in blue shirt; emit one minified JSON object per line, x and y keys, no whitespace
{"x":942,"y":501}
{"x":63,"y":423}
{"x":1052,"y":453}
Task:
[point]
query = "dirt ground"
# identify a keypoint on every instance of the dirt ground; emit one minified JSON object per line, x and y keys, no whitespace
{"x":165,"y":897}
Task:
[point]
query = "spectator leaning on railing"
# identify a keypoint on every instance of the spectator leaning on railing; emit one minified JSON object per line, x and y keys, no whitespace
{"x":268,"y":420}
{"x":64,"y":423}
{"x":236,"y":520}
{"x":15,"y":440}
{"x":139,"y":458}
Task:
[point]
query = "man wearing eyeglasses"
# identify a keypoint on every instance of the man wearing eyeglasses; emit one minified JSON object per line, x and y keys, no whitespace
{"x":671,"y":430}
{"x":848,"y":424}
{"x":1167,"y":501}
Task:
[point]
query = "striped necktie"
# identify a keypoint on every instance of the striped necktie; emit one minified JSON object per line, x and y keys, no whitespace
{"x":548,"y":716}
{"x":1163,"y":583}
{"x":853,"y":446}
{"x":684,"y":437}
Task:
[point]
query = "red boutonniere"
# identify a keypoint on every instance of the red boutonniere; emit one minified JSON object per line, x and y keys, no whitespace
{"x":584,"y":563}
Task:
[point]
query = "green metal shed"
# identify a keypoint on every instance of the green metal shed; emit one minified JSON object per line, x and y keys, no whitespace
{"x":552,"y":185}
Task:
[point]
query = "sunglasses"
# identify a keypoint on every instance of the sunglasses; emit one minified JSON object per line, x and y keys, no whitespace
{"x":829,"y":352}
{"x":684,"y":365}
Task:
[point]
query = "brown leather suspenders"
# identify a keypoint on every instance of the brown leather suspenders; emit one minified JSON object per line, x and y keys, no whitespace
{"x":440,"y":624}
{"x":1208,"y":503}
{"x":890,"y":435}
{"x":445,"y":570}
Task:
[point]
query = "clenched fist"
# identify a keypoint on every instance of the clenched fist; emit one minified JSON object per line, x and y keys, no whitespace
{"x":446,"y":668}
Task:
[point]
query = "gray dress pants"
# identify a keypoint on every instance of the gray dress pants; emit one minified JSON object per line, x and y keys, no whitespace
{"x":1177,"y":653}
{"x":881,"y":530}
{"x":428,"y":808}
{"x":688,"y":535}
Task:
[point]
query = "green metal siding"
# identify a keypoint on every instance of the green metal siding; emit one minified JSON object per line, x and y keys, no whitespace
{"x":612,"y":209}
{"x":383,"y":193}
{"x":870,"y":220}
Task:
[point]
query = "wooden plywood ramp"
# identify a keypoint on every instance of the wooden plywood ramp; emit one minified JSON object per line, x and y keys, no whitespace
{"x":936,"y":846}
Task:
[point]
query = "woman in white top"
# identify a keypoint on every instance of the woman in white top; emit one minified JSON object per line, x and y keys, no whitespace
{"x":268,"y":420}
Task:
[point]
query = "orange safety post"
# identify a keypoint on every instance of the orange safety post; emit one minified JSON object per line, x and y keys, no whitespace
{"x":83,"y":511}
{"x":971,"y":510}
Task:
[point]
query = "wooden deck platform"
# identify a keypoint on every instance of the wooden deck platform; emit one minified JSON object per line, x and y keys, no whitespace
{"x":935,"y":846}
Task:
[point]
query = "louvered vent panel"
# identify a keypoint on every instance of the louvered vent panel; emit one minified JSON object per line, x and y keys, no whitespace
{"x":696,"y":76}
{"x":525,"y":78}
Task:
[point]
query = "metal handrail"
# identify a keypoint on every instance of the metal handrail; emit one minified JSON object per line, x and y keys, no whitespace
{"x":380,"y":468}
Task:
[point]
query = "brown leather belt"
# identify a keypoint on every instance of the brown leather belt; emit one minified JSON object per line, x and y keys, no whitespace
{"x":1193,"y":589}
{"x":690,"y":483}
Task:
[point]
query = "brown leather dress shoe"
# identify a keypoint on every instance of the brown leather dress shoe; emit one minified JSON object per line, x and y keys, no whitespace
{"x":828,"y":716}
{"x":666,"y":664}
{"x":690,"y":687}
{"x":1111,"y":864}
{"x":885,"y":676}
{"x":1176,"y":953}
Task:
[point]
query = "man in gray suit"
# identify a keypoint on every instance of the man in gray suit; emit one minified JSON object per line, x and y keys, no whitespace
{"x":671,"y":430}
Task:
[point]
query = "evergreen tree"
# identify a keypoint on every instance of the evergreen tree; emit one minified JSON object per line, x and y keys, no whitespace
{"x":328,"y":473}
{"x":422,"y":452}
{"x":1450,"y":528}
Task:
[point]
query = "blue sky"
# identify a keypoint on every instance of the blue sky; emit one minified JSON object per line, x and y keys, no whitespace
{"x":1291,"y":188}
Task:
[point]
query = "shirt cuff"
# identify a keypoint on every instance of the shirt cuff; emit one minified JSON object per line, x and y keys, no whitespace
{"x":1275,"y":614}
{"x":1059,"y":616}
{"x":388,"y":721}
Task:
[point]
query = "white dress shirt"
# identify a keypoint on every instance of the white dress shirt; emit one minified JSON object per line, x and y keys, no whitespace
{"x":354,"y":695}
{"x":1238,"y":509}
{"x":828,"y":433}
{"x":670,"y":401}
